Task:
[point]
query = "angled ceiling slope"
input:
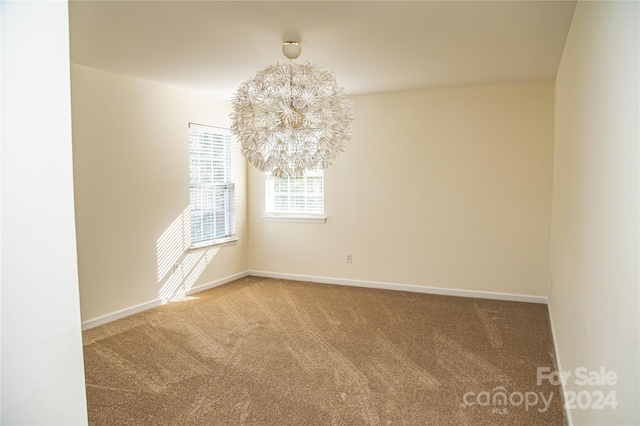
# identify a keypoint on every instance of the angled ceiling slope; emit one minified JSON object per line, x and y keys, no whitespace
{"x":372,"y":46}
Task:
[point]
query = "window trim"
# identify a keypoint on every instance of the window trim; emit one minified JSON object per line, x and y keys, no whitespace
{"x":299,"y":217}
{"x":294,"y":218}
{"x":218,"y":242}
{"x":232,"y":237}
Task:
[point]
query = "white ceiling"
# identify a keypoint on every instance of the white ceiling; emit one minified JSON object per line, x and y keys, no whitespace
{"x":372,"y":46}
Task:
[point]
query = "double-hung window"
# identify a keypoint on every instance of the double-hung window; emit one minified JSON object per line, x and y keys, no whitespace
{"x":295,"y":196}
{"x":212,"y":186}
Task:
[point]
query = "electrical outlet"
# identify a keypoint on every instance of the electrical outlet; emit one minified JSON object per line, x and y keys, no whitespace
{"x":349,"y":258}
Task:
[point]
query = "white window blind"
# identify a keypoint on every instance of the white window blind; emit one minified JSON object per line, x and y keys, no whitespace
{"x":211,"y":185}
{"x":295,"y":195}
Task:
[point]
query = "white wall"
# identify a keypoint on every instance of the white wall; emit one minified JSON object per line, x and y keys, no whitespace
{"x":131,"y":168}
{"x":446,"y":188}
{"x":42,"y":364}
{"x":594,"y":255}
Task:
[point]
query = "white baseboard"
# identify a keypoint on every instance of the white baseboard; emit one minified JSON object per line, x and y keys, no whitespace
{"x":122,"y":313}
{"x":218,"y":282}
{"x":405,"y":287}
{"x":563,"y":385}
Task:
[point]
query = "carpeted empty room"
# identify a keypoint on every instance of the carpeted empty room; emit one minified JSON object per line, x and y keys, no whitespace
{"x":262,"y":351}
{"x":320,"y":213}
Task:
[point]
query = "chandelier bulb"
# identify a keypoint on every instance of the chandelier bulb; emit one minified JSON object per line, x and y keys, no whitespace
{"x":291,"y":49}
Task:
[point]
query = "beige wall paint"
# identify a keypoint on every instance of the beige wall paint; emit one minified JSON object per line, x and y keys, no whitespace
{"x":130,"y":147}
{"x":447,"y":188}
{"x":594,"y":254}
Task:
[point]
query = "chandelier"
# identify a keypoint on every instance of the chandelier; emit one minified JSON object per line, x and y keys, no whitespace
{"x":291,"y":117}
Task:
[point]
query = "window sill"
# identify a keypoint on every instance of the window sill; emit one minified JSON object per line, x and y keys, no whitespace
{"x":294,"y":218}
{"x":215,"y":243}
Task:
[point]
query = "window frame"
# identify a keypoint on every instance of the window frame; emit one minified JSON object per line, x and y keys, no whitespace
{"x":273,"y":215}
{"x":225,"y":182}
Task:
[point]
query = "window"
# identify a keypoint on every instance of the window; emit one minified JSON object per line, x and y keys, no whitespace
{"x":211,"y":186}
{"x":296,"y":196}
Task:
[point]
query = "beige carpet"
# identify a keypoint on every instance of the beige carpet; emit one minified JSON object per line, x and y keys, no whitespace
{"x":272,"y":352}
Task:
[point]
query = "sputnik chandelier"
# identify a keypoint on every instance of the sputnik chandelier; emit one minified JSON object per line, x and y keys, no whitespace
{"x":291,"y":117}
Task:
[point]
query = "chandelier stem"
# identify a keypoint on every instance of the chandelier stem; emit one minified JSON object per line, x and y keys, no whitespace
{"x":290,"y":83}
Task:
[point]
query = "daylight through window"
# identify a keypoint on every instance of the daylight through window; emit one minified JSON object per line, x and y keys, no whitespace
{"x":211,"y":185}
{"x":296,"y":195}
